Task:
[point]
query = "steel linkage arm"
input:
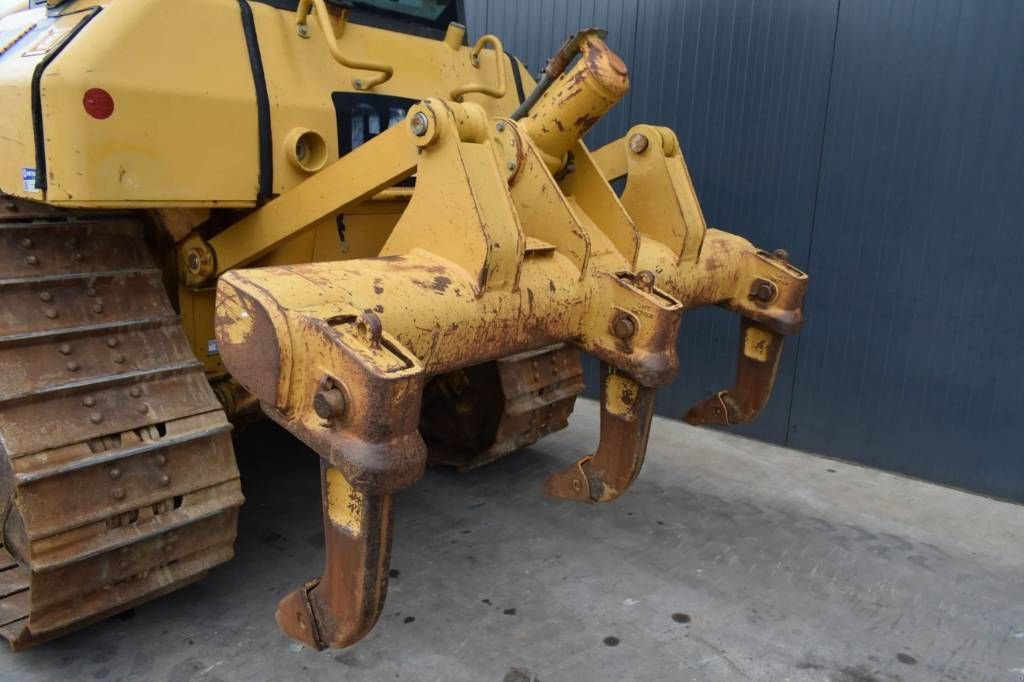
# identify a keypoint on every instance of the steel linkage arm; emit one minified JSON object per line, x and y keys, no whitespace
{"x":702,"y":266}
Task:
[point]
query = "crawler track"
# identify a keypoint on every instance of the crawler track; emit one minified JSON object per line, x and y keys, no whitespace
{"x":118,"y":480}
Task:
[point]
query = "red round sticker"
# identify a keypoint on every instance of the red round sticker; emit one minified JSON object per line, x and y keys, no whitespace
{"x":98,"y":103}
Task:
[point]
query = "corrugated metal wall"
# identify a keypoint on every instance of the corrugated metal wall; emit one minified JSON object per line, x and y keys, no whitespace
{"x":879,"y":143}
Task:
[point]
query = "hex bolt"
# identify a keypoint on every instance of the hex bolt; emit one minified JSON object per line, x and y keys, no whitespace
{"x":73,"y":366}
{"x":65,"y":349}
{"x":26,"y":243}
{"x":135,"y":391}
{"x":115,"y":473}
{"x":623,"y":326}
{"x":46,"y":297}
{"x":95,"y":417}
{"x":329,"y":402}
{"x":638,"y":143}
{"x":419,"y":124}
{"x":765,"y":292}
{"x":194,"y":261}
{"x":88,"y":401}
{"x":117,"y":493}
{"x":31,"y":260}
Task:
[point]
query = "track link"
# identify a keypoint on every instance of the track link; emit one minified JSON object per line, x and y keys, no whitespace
{"x":118,"y":480}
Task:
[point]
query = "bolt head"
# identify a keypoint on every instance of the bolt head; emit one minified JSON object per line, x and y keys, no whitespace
{"x":97,"y":308}
{"x":765,"y":292}
{"x":65,"y":349}
{"x":46,"y":297}
{"x":143,"y":408}
{"x":119,"y":358}
{"x":96,"y":417}
{"x":511,"y":165}
{"x":358,"y":82}
{"x":194,"y":261}
{"x":329,"y":403}
{"x":419,"y":124}
{"x":26,"y":243}
{"x":638,"y":143}
{"x":31,"y":260}
{"x":135,"y":391}
{"x":117,"y":493}
{"x":112,"y":342}
{"x":115,"y":473}
{"x":500,"y":126}
{"x":165,"y":480}
{"x":88,"y":401}
{"x":51,"y":313}
{"x":781,"y":254}
{"x":623,"y":326}
{"x":73,"y":366}
{"x":303,"y":30}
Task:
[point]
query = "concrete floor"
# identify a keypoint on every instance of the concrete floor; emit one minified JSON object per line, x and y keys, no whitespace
{"x":728,"y":560}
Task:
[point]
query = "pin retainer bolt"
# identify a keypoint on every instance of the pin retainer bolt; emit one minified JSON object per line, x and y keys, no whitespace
{"x":638,"y":143}
{"x":329,"y":403}
{"x":419,"y":124}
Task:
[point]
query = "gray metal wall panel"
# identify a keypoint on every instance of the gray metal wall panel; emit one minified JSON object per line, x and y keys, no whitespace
{"x":904,"y":205}
{"x":912,"y":358}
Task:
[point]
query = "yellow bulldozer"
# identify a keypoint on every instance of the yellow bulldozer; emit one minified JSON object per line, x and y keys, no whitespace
{"x":343,"y":216}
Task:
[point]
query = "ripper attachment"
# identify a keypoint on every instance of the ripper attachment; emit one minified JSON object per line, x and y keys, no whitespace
{"x":512,"y":247}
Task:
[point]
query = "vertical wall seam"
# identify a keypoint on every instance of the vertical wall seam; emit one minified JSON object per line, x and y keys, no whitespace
{"x":814,"y":214}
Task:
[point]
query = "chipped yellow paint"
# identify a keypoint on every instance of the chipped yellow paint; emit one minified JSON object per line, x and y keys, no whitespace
{"x":756,"y":343}
{"x":235,"y":321}
{"x":344,"y":504}
{"x":620,"y":393}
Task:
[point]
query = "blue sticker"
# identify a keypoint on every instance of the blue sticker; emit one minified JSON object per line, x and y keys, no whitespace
{"x":28,"y":179}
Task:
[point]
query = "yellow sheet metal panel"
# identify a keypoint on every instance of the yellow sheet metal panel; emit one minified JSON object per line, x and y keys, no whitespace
{"x":25,"y":39}
{"x":184,"y":125}
{"x":302,"y":75}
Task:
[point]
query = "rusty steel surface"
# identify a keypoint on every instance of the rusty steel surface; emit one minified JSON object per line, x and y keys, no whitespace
{"x":513,"y":255}
{"x":117,"y":474}
{"x":476,"y":415}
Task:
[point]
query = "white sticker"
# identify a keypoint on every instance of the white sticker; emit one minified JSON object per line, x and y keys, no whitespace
{"x":28,"y":179}
{"x":211,"y":347}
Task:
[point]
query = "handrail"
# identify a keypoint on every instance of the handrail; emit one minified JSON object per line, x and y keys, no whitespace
{"x":499,"y":62}
{"x":384,"y":71}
